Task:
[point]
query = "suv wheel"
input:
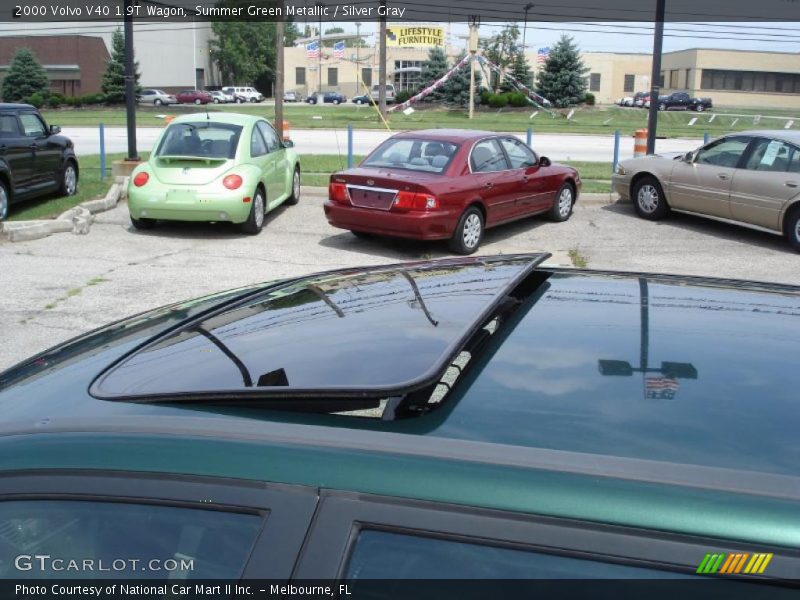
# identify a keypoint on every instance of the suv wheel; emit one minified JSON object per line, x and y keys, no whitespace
{"x":699,"y":108}
{"x":792,"y":227}
{"x":336,"y":101}
{"x":468,"y":233}
{"x":649,"y":200}
{"x":69,"y":179}
{"x":4,"y":201}
{"x":239,"y":100}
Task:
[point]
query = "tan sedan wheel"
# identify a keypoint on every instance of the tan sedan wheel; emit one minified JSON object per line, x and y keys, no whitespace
{"x":793,"y":228}
{"x":649,"y":200}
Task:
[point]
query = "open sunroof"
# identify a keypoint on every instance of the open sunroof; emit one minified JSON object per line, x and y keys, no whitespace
{"x":372,"y":334}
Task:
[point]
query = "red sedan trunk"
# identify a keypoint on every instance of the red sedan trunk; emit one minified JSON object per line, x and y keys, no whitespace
{"x":428,"y":185}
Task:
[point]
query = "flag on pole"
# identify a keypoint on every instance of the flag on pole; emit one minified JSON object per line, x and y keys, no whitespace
{"x":312,"y":50}
{"x":338,"y":49}
{"x":542,"y":55}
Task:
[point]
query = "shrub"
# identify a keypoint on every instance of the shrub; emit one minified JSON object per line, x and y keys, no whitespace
{"x":37,"y":99}
{"x":402,"y":96}
{"x":498,"y":100}
{"x":517,"y":99}
{"x":485,"y":95}
{"x":93,"y":98}
{"x":589,"y":99}
{"x":55,"y":100}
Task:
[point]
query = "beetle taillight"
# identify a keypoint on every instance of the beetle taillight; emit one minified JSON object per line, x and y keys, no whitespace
{"x":141,"y":178}
{"x":337,"y":192}
{"x":232,"y":182}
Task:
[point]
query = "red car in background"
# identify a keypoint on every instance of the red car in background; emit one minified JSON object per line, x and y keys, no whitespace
{"x":448,"y":184}
{"x":194,"y":97}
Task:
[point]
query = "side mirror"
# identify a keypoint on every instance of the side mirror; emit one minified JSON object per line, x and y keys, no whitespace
{"x":288,"y":144}
{"x":54,"y":129}
{"x":688,"y":157}
{"x":544,"y":161}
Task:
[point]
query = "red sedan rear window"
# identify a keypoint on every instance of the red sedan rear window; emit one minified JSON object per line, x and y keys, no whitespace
{"x":429,"y":156}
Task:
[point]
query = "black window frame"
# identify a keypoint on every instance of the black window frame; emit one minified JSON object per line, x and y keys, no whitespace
{"x":286,"y":510}
{"x":14,"y":119}
{"x":502,"y":152}
{"x":595,"y":81}
{"x":629,"y":82}
{"x":751,"y":147}
{"x":341,"y":516}
{"x":335,"y":72}
{"x":366,"y":80}
{"x":279,"y":145}
{"x":742,"y":159}
{"x":256,"y":133}
{"x":298,"y":78}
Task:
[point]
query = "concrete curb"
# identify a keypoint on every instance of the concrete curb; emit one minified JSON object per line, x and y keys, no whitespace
{"x":77,"y":220}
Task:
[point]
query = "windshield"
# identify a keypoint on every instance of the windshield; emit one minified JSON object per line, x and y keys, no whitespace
{"x":430,"y":156}
{"x":204,"y":139}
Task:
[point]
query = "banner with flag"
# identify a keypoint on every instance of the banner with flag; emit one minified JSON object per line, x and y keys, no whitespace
{"x":338,"y":49}
{"x":542,"y":55}
{"x":660,"y":388}
{"x":312,"y":50}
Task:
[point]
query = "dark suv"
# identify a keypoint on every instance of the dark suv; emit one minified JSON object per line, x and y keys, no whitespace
{"x":34,"y":159}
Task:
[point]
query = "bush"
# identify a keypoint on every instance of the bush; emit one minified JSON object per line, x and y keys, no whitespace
{"x":517,"y":99}
{"x":93,"y":99}
{"x":589,"y":99}
{"x":55,"y":100}
{"x":36,"y":99}
{"x":485,"y":95}
{"x":402,"y":96}
{"x":498,"y":100}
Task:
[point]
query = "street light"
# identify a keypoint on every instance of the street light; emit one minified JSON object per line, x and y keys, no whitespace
{"x":528,"y":7}
{"x":358,"y":64}
{"x":320,"y":6}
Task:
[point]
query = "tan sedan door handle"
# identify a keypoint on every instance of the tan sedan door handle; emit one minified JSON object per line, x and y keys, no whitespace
{"x":722,"y":176}
{"x":791,"y":184}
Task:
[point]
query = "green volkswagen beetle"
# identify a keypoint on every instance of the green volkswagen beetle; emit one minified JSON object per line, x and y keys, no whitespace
{"x":215,"y":167}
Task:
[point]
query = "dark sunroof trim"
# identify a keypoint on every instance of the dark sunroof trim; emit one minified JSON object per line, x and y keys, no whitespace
{"x":366,"y":393}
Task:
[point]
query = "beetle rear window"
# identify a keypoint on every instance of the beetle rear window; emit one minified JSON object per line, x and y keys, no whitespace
{"x":201,"y":139}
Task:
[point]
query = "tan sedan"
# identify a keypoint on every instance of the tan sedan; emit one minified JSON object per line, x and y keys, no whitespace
{"x":750,"y":178}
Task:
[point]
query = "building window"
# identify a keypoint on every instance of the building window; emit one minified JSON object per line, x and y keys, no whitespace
{"x":673,"y":79}
{"x":594,"y":82}
{"x":333,"y":76}
{"x":688,"y":79}
{"x":661,"y":79}
{"x":300,"y":76}
{"x":630,"y":82}
{"x":366,"y":76}
{"x":750,"y":81}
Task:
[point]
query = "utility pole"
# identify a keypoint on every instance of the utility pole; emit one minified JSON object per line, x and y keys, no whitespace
{"x":655,"y":77}
{"x":320,"y":6}
{"x":474,"y":21}
{"x":382,"y":62}
{"x":279,"y":27}
{"x":528,"y":7}
{"x":130,"y":82}
{"x":358,"y":64}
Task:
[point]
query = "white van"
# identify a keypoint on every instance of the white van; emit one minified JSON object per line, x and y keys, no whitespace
{"x":389,"y":92}
{"x":244,"y":94}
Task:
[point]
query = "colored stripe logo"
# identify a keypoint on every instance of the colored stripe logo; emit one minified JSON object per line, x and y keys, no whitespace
{"x":735,"y":563}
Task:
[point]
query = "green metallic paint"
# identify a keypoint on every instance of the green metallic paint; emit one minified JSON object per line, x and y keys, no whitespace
{"x":751,"y":519}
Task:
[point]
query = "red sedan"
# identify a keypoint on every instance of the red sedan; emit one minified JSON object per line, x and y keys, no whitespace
{"x":448,"y":184}
{"x":194,"y":97}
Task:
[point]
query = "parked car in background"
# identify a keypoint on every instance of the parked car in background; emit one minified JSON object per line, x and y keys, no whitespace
{"x":364,"y":99}
{"x":220,"y":97}
{"x":386,"y":426}
{"x":751,"y":178}
{"x":390,"y":92}
{"x":194,"y":97}
{"x":625,"y":101}
{"x":35,"y":160}
{"x":641,"y":98}
{"x":156,"y":98}
{"x":683,"y":101}
{"x":290,"y":96}
{"x":215,"y":167}
{"x":327,"y":98}
{"x":246,"y":94}
{"x":442,"y":184}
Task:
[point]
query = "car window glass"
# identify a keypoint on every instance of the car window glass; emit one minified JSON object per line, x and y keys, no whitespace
{"x":270,"y":136}
{"x":723,"y":153}
{"x":383,"y":555}
{"x":770,"y":155}
{"x":8,"y":126}
{"x":430,"y":156}
{"x":202,"y":138}
{"x":794,"y":160}
{"x":486,"y":157}
{"x":258,"y":147}
{"x":133,"y":540}
{"x":31,"y":125}
{"x":518,"y":153}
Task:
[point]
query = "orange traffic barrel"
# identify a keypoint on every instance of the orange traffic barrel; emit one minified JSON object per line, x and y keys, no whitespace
{"x":285,"y":131}
{"x":168,"y":119}
{"x":640,"y":143}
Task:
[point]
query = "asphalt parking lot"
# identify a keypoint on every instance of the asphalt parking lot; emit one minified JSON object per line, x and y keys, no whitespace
{"x":64,"y":285}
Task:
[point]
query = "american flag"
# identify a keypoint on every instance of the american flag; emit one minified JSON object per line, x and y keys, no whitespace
{"x":338,"y":49}
{"x":661,"y":388}
{"x":312,"y":50}
{"x":542,"y":55}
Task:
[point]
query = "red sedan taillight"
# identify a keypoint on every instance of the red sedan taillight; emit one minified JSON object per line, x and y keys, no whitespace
{"x":415,"y":201}
{"x":337,"y":192}
{"x":141,"y":178}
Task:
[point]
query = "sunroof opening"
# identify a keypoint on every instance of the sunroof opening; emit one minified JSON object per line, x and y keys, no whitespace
{"x":373,"y":341}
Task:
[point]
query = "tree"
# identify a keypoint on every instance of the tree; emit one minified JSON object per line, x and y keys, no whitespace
{"x":113,"y":82}
{"x":521,"y":72}
{"x":562,"y":80}
{"x":432,"y":70}
{"x":456,"y":89}
{"x":244,"y":52}
{"x":25,"y":77}
{"x":503,"y":50}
